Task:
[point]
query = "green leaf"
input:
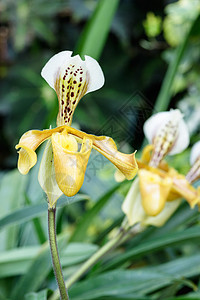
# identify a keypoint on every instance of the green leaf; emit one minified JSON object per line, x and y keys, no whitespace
{"x":35,"y":210}
{"x":37,"y":271}
{"x":18,"y":261}
{"x":11,"y":199}
{"x":96,"y":30}
{"x":165,"y":93}
{"x":81,"y":229}
{"x":136,"y":282}
{"x":38,"y":226}
{"x":76,"y":253}
{"x":190,"y":296}
{"x":156,"y":244}
{"x":37,"y":296}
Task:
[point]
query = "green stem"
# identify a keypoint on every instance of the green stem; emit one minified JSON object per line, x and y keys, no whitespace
{"x":123,"y":235}
{"x":54,"y":254}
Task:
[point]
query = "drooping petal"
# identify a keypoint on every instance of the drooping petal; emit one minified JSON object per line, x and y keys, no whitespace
{"x":70,"y":166}
{"x":28,"y":144}
{"x":72,"y":78}
{"x":47,"y":177}
{"x":181,"y":187}
{"x":27,"y":159}
{"x":154,"y":191}
{"x":126,"y":163}
{"x":169,"y":134}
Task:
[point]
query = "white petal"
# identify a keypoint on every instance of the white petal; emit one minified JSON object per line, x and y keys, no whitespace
{"x":96,"y":77}
{"x":159,"y":120}
{"x":59,"y":62}
{"x":183,"y":139}
{"x":152,"y":125}
{"x":195,"y":153}
{"x":51,"y":68}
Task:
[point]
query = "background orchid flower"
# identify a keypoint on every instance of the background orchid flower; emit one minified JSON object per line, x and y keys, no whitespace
{"x":63,"y":165}
{"x":168,"y":133}
{"x":136,"y":213}
{"x":156,"y":193}
{"x":194,"y":172}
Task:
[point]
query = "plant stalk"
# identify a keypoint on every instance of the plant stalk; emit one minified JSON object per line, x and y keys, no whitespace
{"x":54,"y":254}
{"x":123,"y":235}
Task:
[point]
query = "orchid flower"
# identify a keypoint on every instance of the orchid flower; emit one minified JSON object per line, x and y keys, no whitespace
{"x":194,"y":172}
{"x":168,"y":133}
{"x":67,"y":152}
{"x":156,"y":193}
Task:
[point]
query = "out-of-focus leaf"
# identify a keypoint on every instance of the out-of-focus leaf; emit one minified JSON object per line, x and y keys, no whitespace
{"x":37,"y":271}
{"x":35,"y":210}
{"x":165,"y":93}
{"x":189,"y":296}
{"x":136,"y":282}
{"x":81,"y":229}
{"x":96,"y":31}
{"x":161,"y":242}
{"x":12,"y":196}
{"x":17,"y":261}
{"x":38,"y":226}
{"x":37,"y":296}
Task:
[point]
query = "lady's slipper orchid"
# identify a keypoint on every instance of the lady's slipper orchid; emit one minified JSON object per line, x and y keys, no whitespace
{"x":156,"y":193}
{"x":136,"y":212}
{"x":194,"y":172}
{"x":63,"y":165}
{"x":168,"y":133}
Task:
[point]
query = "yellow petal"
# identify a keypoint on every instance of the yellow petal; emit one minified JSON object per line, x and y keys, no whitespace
{"x":181,"y":187}
{"x":126,"y":163}
{"x":146,"y":154}
{"x":28,"y":144}
{"x":27,"y":159}
{"x":164,"y":215}
{"x":70,"y":166}
{"x":154,"y":191}
{"x":47,"y":177}
{"x":133,"y":208}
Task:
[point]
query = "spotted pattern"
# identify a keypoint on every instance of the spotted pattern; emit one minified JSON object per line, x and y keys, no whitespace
{"x":194,"y":172}
{"x":71,"y":85}
{"x":164,"y":141}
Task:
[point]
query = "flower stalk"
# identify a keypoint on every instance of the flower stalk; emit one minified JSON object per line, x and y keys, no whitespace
{"x":54,"y":254}
{"x":124,"y":234}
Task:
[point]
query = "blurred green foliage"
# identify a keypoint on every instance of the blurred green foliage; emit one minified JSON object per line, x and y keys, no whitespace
{"x":134,"y":41}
